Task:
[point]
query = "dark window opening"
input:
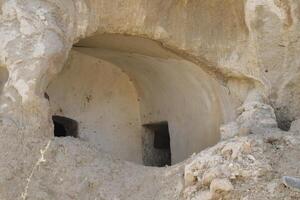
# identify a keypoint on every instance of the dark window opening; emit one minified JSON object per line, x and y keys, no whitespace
{"x":64,"y":126}
{"x":156,"y":142}
{"x":161,"y":136}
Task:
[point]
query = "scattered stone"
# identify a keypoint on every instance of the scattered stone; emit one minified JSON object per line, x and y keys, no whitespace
{"x":205,"y":195}
{"x":209,"y":175}
{"x":235,"y":42}
{"x":229,"y":130}
{"x":295,"y":126}
{"x":244,"y":131}
{"x":220,"y":185}
{"x":189,"y":179}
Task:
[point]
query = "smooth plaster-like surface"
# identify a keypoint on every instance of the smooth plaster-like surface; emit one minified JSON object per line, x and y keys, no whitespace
{"x":101,"y":98}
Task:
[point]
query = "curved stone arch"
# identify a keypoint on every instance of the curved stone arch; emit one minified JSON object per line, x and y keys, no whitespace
{"x":168,"y":88}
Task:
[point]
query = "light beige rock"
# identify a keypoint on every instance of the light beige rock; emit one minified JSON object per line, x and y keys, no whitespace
{"x":220,"y":185}
{"x":116,"y":65}
{"x":295,"y":126}
{"x":244,"y":131}
{"x":205,"y":195}
{"x":229,"y":130}
{"x":209,"y":175}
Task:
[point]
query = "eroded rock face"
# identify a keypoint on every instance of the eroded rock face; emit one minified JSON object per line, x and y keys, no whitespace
{"x":246,"y":51}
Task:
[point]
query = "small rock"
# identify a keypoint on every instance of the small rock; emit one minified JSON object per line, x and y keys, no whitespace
{"x":244,"y":131}
{"x":189,"y":179}
{"x":209,"y":175}
{"x":295,"y":126}
{"x":271,"y":187}
{"x":269,"y":123}
{"x":229,"y":130}
{"x":231,"y":150}
{"x":220,"y":185}
{"x":247,"y":147}
{"x":205,"y":195}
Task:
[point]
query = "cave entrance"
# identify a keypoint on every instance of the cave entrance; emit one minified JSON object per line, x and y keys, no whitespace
{"x":64,"y":126}
{"x":114,"y":84}
{"x":156,"y":142}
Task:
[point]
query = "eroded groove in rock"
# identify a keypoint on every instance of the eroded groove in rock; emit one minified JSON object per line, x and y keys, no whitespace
{"x":3,"y":77}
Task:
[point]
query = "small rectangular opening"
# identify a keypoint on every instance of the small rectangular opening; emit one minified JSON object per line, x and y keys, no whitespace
{"x":156,"y":142}
{"x":64,"y":126}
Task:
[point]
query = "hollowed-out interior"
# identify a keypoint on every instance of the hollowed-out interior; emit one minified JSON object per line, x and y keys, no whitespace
{"x":156,"y":145}
{"x":138,"y":101}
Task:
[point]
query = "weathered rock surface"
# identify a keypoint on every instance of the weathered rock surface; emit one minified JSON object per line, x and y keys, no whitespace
{"x":249,"y":51}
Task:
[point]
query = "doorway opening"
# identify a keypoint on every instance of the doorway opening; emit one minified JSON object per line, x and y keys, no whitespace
{"x":64,"y":126}
{"x":156,"y":142}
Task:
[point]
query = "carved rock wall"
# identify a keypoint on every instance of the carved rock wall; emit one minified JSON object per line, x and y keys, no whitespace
{"x":245,"y":45}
